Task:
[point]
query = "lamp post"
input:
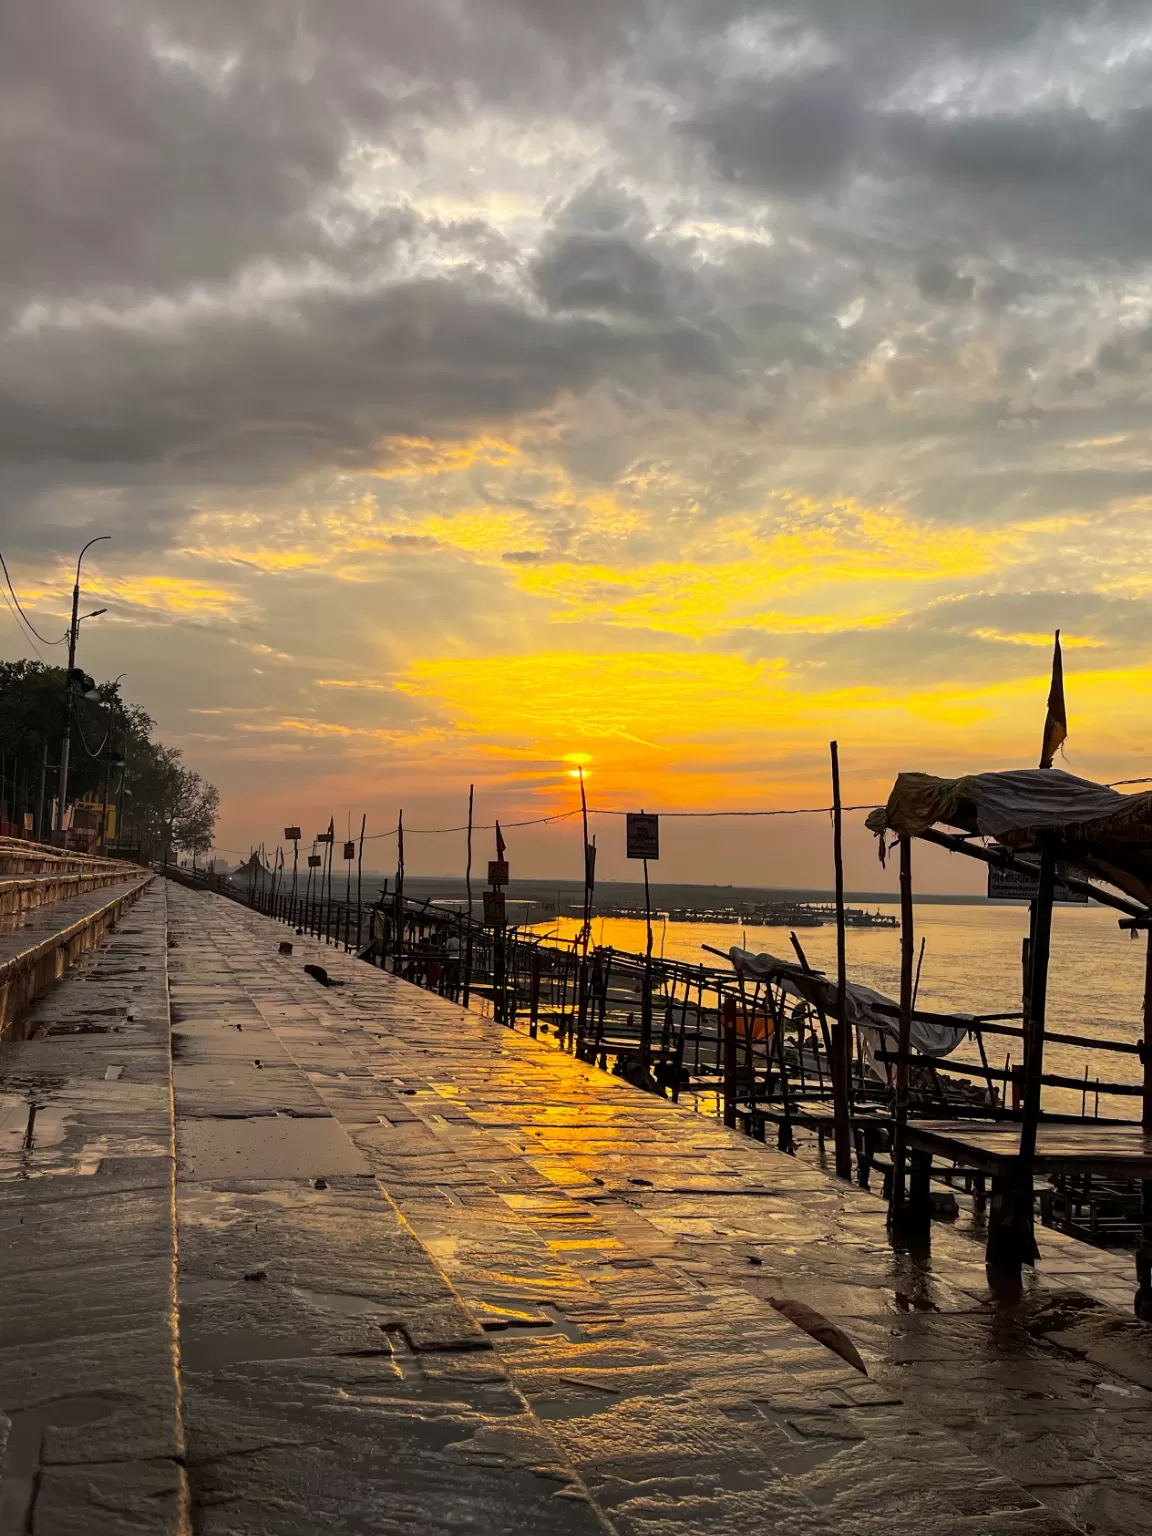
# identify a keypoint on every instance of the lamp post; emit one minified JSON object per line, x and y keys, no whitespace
{"x":73,"y":634}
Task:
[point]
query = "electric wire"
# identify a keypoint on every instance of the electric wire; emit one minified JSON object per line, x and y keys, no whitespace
{"x":23,"y":633}
{"x":539,"y":821}
{"x":23,"y":615}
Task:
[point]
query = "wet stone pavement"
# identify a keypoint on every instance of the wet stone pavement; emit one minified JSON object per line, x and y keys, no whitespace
{"x":437,"y":1277}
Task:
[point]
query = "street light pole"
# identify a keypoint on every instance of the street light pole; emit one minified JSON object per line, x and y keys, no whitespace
{"x":73,"y":634}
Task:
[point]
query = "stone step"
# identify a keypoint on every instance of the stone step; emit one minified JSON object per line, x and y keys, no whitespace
{"x":38,"y":944}
{"x":20,"y":857}
{"x":91,"y":1442}
{"x":22,"y":893}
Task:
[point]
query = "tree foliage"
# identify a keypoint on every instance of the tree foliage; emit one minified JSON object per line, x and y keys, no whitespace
{"x":168,"y":808}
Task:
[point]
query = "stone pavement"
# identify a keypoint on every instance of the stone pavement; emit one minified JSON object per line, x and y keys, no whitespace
{"x":620,"y":1256}
{"x":90,"y":1436}
{"x":435,"y":1276}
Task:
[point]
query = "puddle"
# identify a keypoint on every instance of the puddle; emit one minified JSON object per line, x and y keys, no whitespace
{"x":22,"y":1453}
{"x":265,"y":1147}
{"x":343,"y":1302}
{"x":215,"y":1351}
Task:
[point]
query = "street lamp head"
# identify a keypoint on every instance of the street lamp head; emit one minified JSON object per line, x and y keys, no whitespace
{"x":95,"y":614}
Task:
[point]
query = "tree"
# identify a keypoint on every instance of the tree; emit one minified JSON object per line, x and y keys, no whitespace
{"x":169,"y":807}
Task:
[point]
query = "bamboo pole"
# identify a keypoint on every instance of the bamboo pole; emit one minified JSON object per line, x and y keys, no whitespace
{"x":360,"y":884}
{"x":841,"y":1037}
{"x":1017,"y":1244}
{"x":468,"y":888}
{"x":896,"y":1206}
{"x":586,"y":926}
{"x":646,"y":993}
{"x":331,"y":855}
{"x":398,"y":956}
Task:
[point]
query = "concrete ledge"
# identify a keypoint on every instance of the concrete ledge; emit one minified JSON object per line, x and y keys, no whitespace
{"x":91,"y":1437}
{"x":23,"y":893}
{"x":18,"y":857}
{"x":25,"y":974}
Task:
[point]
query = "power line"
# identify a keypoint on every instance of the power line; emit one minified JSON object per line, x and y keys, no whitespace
{"x":21,"y":612}
{"x":23,"y":633}
{"x":539,"y":821}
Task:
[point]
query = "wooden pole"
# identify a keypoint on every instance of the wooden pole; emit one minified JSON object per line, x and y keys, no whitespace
{"x":586,"y":927}
{"x":1144,"y":1252}
{"x":1017,"y":1244}
{"x":646,"y":993}
{"x":399,"y":952}
{"x":907,"y":950}
{"x":727,"y":1016}
{"x":331,"y":853}
{"x":841,"y":1035}
{"x":360,"y":884}
{"x":468,"y":888}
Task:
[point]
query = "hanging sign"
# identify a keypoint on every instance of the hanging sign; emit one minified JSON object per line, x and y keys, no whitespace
{"x":494,"y":909}
{"x":291,"y":834}
{"x":643,"y":836}
{"x":349,"y":850}
{"x":1020,"y":885}
{"x":325,"y":837}
{"x":314,"y":861}
{"x":497,"y":872}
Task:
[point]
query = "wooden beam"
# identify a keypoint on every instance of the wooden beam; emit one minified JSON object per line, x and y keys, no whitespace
{"x":1002,"y":858}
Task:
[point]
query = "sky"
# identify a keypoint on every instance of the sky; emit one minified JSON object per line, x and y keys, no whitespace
{"x":478,"y":389}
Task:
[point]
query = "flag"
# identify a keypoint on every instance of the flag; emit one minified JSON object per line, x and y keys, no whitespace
{"x":1056,"y":721}
{"x":500,"y":845}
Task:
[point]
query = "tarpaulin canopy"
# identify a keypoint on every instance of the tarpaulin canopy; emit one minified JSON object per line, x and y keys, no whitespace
{"x":1107,"y":835}
{"x":865,"y":1007}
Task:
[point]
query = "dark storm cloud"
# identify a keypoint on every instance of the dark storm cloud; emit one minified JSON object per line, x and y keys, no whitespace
{"x":791,"y":137}
{"x":326,"y":377}
{"x":938,"y":280}
{"x":1056,"y":179}
{"x":601,"y":272}
{"x":217,"y":263}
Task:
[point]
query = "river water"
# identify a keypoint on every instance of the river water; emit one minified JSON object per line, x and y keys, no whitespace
{"x":971,"y":964}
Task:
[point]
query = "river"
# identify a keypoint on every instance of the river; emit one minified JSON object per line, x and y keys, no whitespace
{"x":971,"y":964}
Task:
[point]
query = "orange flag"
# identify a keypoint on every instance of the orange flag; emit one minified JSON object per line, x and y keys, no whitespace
{"x":1056,"y":721}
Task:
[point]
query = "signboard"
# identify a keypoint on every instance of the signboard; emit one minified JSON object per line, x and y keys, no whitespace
{"x":494,"y":909}
{"x":349,"y":850}
{"x":291,"y":834}
{"x":497,"y":871}
{"x":643,"y":836}
{"x":314,"y":861}
{"x":1016,"y":885}
{"x":325,"y":837}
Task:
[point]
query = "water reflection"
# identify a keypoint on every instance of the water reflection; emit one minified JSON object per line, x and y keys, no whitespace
{"x":971,"y":964}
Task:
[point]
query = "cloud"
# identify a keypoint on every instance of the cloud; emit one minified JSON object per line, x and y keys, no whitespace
{"x":591,"y":362}
{"x":792,"y":137}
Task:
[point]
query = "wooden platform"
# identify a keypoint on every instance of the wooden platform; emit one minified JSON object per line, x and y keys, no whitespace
{"x":1120,"y":1151}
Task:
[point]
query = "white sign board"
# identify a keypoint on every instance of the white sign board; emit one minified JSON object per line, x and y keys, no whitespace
{"x":643,"y":836}
{"x":1016,"y":885}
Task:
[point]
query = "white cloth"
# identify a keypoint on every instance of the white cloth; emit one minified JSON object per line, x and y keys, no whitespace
{"x":865,"y":1007}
